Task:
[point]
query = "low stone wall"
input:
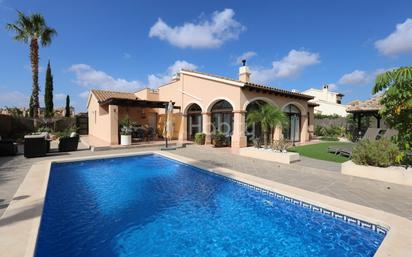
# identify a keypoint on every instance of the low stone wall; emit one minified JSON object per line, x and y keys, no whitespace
{"x":269,"y":155}
{"x":396,"y":175}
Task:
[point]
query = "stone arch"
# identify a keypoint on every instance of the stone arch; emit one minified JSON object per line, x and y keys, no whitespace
{"x":265,"y":99}
{"x":214,"y":101}
{"x":191,"y":104}
{"x":300,"y":106}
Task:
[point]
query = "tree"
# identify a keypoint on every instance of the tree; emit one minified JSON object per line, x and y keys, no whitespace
{"x":67,"y":113}
{"x":269,"y":117}
{"x":30,"y":30}
{"x":48,"y":93}
{"x":31,"y":111}
{"x":397,"y":104}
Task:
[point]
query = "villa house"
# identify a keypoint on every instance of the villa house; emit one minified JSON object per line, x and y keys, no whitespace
{"x":329,"y":102}
{"x":204,"y":103}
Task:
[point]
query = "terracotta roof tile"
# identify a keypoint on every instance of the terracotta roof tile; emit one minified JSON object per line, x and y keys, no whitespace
{"x":103,"y":95}
{"x":372,"y":104}
{"x":258,"y":86}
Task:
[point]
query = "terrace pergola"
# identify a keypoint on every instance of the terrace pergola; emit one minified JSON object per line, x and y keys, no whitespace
{"x":136,"y":103}
{"x":361,"y":109}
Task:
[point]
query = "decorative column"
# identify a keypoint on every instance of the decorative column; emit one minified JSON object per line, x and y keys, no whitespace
{"x":183,"y":128}
{"x":239,"y":127}
{"x":206,"y":125}
{"x":113,"y":135}
{"x":278,"y":134}
{"x":304,"y":133}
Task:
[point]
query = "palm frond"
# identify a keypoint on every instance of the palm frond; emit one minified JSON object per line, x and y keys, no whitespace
{"x":46,"y":36}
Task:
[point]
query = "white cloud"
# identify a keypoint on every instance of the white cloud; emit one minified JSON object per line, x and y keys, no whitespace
{"x":245,"y":56}
{"x":89,"y":77}
{"x":84,"y":94}
{"x":127,"y":56}
{"x":204,"y":34}
{"x":155,"y":80}
{"x":360,"y":77}
{"x":332,"y":86}
{"x":13,"y":98}
{"x":289,"y":66}
{"x":399,"y":41}
{"x":356,"y":77}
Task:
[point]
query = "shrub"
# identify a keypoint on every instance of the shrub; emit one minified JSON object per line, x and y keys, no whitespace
{"x":331,"y":131}
{"x":280,"y":145}
{"x":380,"y":153}
{"x":44,"y":129}
{"x":219,"y":139}
{"x":200,"y":138}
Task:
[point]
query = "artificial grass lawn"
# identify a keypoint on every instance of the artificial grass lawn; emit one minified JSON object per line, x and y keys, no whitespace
{"x":320,"y":151}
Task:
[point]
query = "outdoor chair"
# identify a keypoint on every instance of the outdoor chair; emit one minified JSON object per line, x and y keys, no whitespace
{"x":150,"y":134}
{"x":139,"y":134}
{"x":67,"y":144}
{"x":35,"y":146}
{"x":8,"y":147}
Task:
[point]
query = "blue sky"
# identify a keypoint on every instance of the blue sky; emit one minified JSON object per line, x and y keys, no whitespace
{"x":126,"y":45}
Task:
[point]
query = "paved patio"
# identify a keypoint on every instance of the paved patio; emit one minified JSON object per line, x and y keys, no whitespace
{"x":313,"y":175}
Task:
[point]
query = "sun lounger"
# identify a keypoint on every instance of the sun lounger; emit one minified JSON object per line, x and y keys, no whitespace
{"x":390,"y":133}
{"x":371,"y":133}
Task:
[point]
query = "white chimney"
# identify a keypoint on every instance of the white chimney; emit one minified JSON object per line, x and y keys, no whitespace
{"x":244,"y":73}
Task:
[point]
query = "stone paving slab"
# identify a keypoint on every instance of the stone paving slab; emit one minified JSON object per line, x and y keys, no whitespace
{"x":322,"y":178}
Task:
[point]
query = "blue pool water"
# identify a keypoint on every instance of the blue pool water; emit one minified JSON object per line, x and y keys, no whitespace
{"x":152,"y":206}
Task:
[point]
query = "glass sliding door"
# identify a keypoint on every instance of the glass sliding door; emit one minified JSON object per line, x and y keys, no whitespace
{"x":222,"y":119}
{"x":194,"y":121}
{"x":291,"y":131}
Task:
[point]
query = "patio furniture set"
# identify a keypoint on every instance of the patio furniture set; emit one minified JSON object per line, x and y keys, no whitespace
{"x":370,"y":134}
{"x":38,"y":145}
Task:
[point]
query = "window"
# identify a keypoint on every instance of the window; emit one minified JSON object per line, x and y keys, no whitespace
{"x":291,"y":131}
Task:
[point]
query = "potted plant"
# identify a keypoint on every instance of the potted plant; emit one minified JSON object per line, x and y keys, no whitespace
{"x":126,"y":129}
{"x":200,"y":138}
{"x":219,"y":139}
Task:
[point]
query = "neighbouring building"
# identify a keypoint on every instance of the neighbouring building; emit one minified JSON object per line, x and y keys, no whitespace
{"x":24,"y":112}
{"x":329,"y":103}
{"x":203,"y":103}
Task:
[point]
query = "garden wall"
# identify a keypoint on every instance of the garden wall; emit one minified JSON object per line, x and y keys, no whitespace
{"x":327,"y":122}
{"x":17,"y":127}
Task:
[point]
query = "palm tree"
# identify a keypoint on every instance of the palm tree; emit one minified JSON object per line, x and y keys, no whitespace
{"x":269,"y":117}
{"x":31,"y":29}
{"x":396,"y":100}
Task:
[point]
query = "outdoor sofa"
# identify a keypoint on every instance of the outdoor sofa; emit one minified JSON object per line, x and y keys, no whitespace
{"x":36,"y":146}
{"x":7,"y":147}
{"x":67,"y":144}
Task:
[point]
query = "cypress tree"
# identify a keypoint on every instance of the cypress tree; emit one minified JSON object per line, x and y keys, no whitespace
{"x":67,"y":106}
{"x":48,"y":93}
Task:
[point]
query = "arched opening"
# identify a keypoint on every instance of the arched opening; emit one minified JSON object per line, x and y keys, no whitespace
{"x":291,"y":130}
{"x":222,"y":118}
{"x":194,"y":121}
{"x":255,"y":130}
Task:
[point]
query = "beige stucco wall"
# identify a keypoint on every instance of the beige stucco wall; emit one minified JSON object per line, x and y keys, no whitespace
{"x":101,"y":121}
{"x":148,"y":94}
{"x":193,"y":88}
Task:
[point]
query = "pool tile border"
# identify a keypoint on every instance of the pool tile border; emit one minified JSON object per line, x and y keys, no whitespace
{"x":315,"y":208}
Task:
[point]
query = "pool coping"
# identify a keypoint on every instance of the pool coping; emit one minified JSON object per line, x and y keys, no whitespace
{"x":20,"y":223}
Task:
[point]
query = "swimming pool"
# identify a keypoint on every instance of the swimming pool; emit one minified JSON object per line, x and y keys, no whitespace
{"x":153,"y":206}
